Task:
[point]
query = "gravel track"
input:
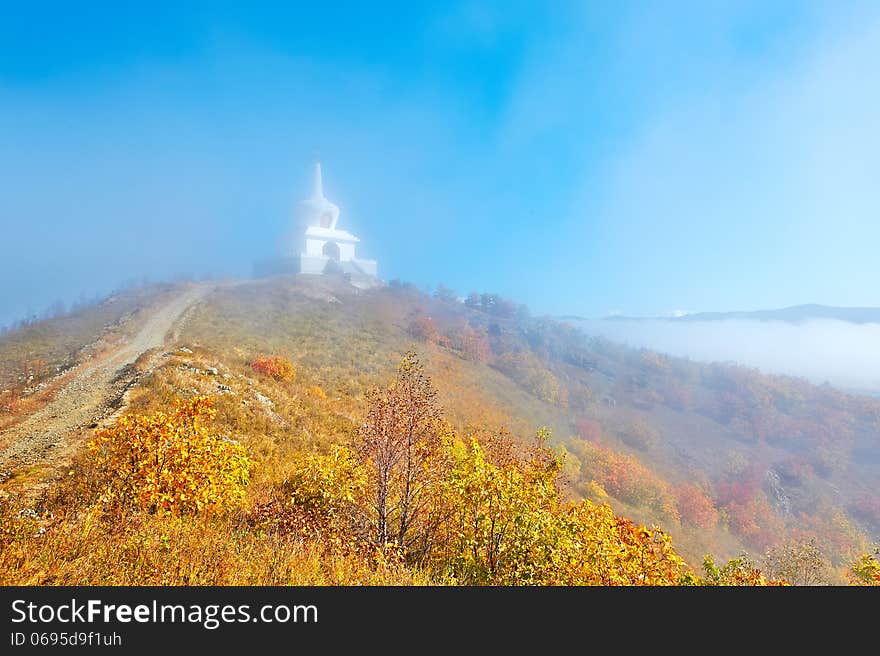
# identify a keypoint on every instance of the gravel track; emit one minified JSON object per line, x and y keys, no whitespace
{"x":51,"y":434}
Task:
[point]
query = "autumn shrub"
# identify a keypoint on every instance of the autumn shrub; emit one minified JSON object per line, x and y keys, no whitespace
{"x":275,"y":367}
{"x":499,"y":517}
{"x":507,"y":525}
{"x":799,"y":563}
{"x":600,"y":548}
{"x":865,"y":571}
{"x":170,"y":462}
{"x":472,"y":344}
{"x":316,"y":392}
{"x":695,"y":506}
{"x":424,"y":328}
{"x":625,"y":478}
{"x":328,"y":491}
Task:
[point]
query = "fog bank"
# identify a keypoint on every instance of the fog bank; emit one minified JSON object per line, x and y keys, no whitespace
{"x":847,"y":355}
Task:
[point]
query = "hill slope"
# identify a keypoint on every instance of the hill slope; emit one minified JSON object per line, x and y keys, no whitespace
{"x":770,"y":453}
{"x":723,"y":458}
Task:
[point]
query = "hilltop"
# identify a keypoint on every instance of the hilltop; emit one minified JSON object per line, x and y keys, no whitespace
{"x":724,"y":459}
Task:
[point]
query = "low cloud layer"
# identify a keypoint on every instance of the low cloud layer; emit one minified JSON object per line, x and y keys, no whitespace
{"x":844,"y":354}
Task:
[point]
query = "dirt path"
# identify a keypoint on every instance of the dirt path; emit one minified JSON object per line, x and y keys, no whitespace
{"x":51,"y":435}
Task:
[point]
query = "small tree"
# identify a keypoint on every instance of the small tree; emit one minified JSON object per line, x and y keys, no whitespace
{"x":799,"y":563}
{"x":400,"y":445}
{"x":866,"y":570}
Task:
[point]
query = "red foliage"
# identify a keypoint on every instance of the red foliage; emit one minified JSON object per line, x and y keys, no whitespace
{"x":275,"y":367}
{"x":738,"y":492}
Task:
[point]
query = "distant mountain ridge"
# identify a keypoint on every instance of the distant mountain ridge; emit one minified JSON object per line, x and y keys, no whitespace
{"x":793,"y":314}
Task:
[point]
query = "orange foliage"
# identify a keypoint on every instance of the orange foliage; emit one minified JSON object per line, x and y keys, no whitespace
{"x":275,"y":367}
{"x":625,"y":477}
{"x":695,"y":507}
{"x":423,"y":327}
{"x":474,"y":345}
{"x":751,"y":516}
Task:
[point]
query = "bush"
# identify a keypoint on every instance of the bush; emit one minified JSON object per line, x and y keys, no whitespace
{"x":170,"y":463}
{"x":473,"y":344}
{"x":324,"y":489}
{"x":316,"y":392}
{"x":695,"y":506}
{"x":508,"y":525}
{"x":865,"y":571}
{"x":741,"y":571}
{"x":275,"y":367}
{"x":424,"y":328}
{"x":625,"y":478}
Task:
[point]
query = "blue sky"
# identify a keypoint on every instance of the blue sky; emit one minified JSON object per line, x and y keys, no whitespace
{"x":586,"y":158}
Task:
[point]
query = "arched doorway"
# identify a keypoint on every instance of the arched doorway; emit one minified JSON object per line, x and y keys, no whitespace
{"x":331,"y":250}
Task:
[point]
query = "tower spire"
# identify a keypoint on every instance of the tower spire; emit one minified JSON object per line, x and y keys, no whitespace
{"x":318,"y":187}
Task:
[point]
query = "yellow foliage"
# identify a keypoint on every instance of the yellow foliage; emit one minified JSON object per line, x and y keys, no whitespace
{"x":325,"y":488}
{"x":865,"y":571}
{"x":595,"y":492}
{"x":508,"y":526}
{"x":170,"y":463}
{"x":316,"y":392}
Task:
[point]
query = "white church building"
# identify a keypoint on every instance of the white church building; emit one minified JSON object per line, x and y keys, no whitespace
{"x":327,"y":247}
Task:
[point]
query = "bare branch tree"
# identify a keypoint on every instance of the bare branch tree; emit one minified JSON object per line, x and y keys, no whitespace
{"x":399,"y":443}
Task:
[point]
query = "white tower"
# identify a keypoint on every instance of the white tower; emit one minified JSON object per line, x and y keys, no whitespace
{"x":317,"y":210}
{"x":327,"y":247}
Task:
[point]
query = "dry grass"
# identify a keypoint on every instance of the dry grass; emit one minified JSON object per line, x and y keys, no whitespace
{"x":141,"y":549}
